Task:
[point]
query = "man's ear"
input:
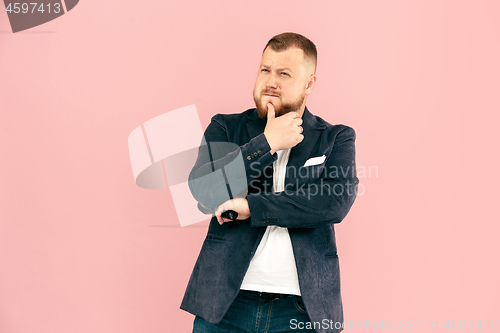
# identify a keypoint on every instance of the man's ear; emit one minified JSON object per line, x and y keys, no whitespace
{"x":311,"y":82}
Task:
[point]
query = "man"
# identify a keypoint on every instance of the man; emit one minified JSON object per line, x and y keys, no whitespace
{"x":275,"y":268}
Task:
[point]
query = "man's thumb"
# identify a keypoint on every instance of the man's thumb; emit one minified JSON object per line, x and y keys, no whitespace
{"x":270,"y":111}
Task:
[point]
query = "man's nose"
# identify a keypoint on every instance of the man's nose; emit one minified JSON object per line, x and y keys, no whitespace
{"x":271,"y":82}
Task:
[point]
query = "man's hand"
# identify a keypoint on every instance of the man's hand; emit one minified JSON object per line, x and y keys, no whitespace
{"x":239,"y":205}
{"x":283,"y":132}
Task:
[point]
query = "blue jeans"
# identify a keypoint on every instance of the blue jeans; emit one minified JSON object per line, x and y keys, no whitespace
{"x":251,"y":314}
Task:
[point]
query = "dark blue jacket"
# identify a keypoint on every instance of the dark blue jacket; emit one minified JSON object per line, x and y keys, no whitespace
{"x":315,"y":198}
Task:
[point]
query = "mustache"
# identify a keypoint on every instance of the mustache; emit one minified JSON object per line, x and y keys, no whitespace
{"x":269,"y":92}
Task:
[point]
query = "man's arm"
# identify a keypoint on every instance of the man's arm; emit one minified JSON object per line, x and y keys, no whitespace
{"x":324,"y":202}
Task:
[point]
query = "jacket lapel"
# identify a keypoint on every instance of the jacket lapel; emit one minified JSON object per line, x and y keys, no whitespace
{"x":312,"y":129}
{"x":255,"y":125}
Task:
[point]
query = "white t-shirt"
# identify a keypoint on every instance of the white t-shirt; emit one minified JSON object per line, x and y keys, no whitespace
{"x":273,"y":268}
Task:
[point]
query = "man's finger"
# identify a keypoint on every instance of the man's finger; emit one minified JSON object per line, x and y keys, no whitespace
{"x":270,"y":112}
{"x":222,"y":220}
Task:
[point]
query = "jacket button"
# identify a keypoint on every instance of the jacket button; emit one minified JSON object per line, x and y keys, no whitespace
{"x":249,"y":158}
{"x":259,"y":152}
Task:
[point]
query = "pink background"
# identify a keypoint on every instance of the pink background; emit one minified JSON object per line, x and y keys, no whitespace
{"x":84,"y":249}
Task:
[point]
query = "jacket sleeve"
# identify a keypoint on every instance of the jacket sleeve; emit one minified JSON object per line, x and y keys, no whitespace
{"x":223,"y":169}
{"x":326,"y":200}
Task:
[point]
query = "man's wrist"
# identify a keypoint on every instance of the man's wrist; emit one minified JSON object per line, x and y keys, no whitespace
{"x":272,"y":151}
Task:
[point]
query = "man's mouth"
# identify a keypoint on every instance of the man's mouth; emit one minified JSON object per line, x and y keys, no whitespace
{"x":271,"y":95}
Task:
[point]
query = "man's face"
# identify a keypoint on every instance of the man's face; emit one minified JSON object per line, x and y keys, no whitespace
{"x":284,"y":80}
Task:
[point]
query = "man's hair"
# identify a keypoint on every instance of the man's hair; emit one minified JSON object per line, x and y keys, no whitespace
{"x":285,"y":40}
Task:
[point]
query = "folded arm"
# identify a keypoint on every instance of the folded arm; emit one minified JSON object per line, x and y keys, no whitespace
{"x":324,"y":201}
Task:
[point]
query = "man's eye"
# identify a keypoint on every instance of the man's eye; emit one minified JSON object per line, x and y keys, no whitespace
{"x":264,"y":70}
{"x":285,"y":74}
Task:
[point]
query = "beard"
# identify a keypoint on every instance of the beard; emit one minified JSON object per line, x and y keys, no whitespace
{"x":284,"y":108}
